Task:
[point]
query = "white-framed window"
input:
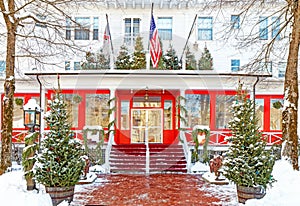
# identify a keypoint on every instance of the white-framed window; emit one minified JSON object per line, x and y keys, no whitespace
{"x":235,"y":21}
{"x":68,"y":28}
{"x":164,"y":25}
{"x":77,"y":66}
{"x":275,"y":27}
{"x":281,"y":69}
{"x":2,"y":67}
{"x":67,"y":65}
{"x":82,"y":28}
{"x":263,"y":28}
{"x":132,"y":30}
{"x":265,"y":67}
{"x":96,"y":28}
{"x":235,"y":65}
{"x":205,"y":28}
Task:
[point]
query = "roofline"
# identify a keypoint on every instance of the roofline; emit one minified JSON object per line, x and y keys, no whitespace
{"x":148,"y":72}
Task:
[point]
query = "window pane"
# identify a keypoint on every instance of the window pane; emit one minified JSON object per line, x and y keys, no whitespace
{"x":77,"y":66}
{"x":164,"y":25}
{"x":97,"y":110}
{"x":205,"y":28}
{"x":18,"y":114}
{"x":72,"y":109}
{"x":168,"y":114}
{"x":281,"y":69}
{"x":96,"y":28}
{"x":67,"y":65}
{"x":263,"y":28}
{"x":198,"y":107}
{"x":2,"y":68}
{"x":275,"y":114}
{"x":259,"y":112}
{"x":125,"y":115}
{"x":235,"y":65}
{"x":82,"y":31}
{"x":275,"y":27}
{"x":223,"y":113}
{"x":68,"y":28}
{"x":235,"y":21}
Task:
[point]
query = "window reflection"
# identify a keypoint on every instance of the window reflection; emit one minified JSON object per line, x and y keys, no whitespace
{"x":97,"y":110}
{"x":223,"y":112}
{"x":275,"y":114}
{"x":259,"y":112}
{"x":198,"y":107}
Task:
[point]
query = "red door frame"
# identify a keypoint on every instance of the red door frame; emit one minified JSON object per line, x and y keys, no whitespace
{"x":123,"y":136}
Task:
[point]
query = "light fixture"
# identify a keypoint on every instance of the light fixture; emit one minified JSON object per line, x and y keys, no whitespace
{"x":31,"y":114}
{"x":146,"y":97}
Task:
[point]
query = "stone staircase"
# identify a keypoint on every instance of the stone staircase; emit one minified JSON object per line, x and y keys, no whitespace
{"x":131,"y":158}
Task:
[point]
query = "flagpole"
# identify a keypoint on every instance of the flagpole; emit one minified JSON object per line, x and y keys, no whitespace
{"x":191,"y":30}
{"x":111,"y":45}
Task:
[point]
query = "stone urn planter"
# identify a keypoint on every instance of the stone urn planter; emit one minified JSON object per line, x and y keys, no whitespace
{"x":245,"y":193}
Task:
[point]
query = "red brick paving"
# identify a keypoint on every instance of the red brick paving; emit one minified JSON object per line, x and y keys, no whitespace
{"x":156,"y":189}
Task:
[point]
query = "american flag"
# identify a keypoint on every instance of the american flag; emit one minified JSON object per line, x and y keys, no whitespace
{"x":155,"y":49}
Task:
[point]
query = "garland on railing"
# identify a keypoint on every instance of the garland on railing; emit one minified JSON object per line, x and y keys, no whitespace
{"x":181,"y":110}
{"x":195,"y":134}
{"x":110,"y":111}
{"x":94,"y":154}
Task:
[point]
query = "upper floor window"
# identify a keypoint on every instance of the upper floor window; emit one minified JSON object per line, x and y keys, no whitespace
{"x":235,"y":21}
{"x":281,"y":69}
{"x":132,"y":30}
{"x":77,"y":66}
{"x":275,"y":27}
{"x":2,"y":67}
{"x":235,"y":65}
{"x":67,"y":65}
{"x":265,"y":67}
{"x":263,"y":28}
{"x":68,"y":28}
{"x":164,"y":25}
{"x":82,"y":28}
{"x":96,"y":28}
{"x":205,"y":28}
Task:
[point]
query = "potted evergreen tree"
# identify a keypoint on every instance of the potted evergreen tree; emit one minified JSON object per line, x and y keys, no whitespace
{"x":60,"y":164}
{"x":247,"y":163}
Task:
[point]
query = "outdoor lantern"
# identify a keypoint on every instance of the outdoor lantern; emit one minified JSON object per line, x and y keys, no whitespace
{"x":31,"y":114}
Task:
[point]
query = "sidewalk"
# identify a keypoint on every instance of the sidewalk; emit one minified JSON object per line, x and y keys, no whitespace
{"x":156,"y":189}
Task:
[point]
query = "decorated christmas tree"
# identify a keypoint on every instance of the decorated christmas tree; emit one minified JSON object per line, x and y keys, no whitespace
{"x":123,"y":59}
{"x":60,"y":163}
{"x":139,"y":57}
{"x":206,"y":60}
{"x":171,"y":59}
{"x":247,"y":162}
{"x":190,"y":60}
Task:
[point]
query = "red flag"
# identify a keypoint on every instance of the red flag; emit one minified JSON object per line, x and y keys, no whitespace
{"x":155,"y":49}
{"x":106,"y":41}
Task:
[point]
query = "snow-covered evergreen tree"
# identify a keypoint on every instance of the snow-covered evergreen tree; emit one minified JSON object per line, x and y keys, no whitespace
{"x":171,"y":59}
{"x":139,"y":56}
{"x":95,"y":61}
{"x":247,"y":162}
{"x":60,"y":163}
{"x":190,"y":60}
{"x":206,"y":60}
{"x":123,"y":59}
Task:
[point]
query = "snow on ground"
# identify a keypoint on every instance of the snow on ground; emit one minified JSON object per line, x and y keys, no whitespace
{"x":283,"y":193}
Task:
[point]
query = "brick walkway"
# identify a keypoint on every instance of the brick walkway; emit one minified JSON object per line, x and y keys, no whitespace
{"x":156,"y":189}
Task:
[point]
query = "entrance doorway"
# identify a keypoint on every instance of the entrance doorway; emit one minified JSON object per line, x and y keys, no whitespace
{"x":146,"y":125}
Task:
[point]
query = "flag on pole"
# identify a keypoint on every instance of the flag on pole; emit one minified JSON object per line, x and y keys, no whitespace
{"x":155,"y":49}
{"x":106,"y":41}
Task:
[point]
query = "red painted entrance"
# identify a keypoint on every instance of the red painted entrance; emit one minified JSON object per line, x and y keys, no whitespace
{"x":146,"y":115}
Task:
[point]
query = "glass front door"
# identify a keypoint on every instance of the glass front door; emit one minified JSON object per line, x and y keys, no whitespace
{"x":146,"y":124}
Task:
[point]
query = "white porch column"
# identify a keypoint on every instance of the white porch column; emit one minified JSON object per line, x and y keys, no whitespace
{"x":182,"y":103}
{"x":43,"y":110}
{"x":147,"y":61}
{"x":112,"y":115}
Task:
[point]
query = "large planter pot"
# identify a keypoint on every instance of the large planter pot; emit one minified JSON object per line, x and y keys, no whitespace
{"x":59,"y":194}
{"x":246,"y":193}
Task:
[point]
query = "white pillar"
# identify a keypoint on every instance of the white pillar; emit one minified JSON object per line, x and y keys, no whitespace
{"x":147,"y":61}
